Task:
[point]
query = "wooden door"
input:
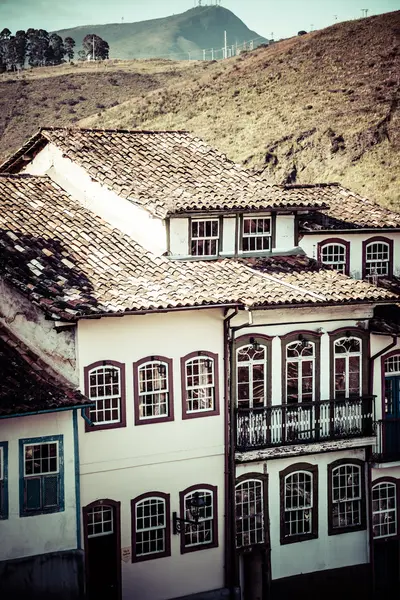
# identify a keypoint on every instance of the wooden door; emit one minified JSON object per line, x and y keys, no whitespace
{"x":102,"y":550}
{"x":254,"y":573}
{"x":386,"y":568}
{"x":392,"y":416}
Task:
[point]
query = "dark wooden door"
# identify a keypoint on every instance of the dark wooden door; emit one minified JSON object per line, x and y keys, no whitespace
{"x":386,"y":569}
{"x":102,"y":550}
{"x":255,"y":575}
{"x":392,"y":416}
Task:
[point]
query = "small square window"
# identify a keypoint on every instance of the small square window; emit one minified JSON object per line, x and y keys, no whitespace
{"x":153,"y":385}
{"x":204,"y":237}
{"x":199,"y":372}
{"x":42,"y":476}
{"x":256,"y":234}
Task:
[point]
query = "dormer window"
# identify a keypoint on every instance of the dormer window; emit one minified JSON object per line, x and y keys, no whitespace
{"x":257,"y":234}
{"x":204,"y":237}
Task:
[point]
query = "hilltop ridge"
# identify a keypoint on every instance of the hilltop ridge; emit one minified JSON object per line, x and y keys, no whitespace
{"x":175,"y":36}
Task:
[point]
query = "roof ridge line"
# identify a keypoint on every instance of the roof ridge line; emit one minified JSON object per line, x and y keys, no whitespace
{"x":105,"y":130}
{"x":282,"y":282}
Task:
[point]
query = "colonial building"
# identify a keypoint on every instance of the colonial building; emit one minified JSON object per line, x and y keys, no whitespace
{"x":235,"y":348}
{"x":39,"y":477}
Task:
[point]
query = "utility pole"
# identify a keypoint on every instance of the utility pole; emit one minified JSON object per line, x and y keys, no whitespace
{"x":93,"y":53}
{"x":365,"y":12}
{"x":225,"y":45}
{"x":204,"y":55}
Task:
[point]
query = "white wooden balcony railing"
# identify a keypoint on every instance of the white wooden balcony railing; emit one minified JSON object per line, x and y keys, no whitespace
{"x":284,"y":424}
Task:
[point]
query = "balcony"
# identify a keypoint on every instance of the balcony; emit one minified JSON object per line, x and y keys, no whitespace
{"x":289,"y":424}
{"x":387,"y":448}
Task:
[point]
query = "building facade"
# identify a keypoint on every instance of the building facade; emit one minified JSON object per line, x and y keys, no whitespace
{"x":238,"y":344}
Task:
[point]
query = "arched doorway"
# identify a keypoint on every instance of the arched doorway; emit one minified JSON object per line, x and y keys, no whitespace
{"x":101,"y":520}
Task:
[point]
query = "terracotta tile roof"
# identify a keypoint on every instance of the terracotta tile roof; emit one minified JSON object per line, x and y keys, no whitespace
{"x":168,"y":172}
{"x":72,"y":263}
{"x":348,"y":210}
{"x":27,"y":384}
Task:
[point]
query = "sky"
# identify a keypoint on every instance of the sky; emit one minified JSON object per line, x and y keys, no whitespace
{"x":283,"y":18}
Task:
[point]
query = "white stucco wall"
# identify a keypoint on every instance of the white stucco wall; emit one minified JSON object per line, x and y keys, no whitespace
{"x":179,"y":237}
{"x":309,"y":243}
{"x":169,"y":457}
{"x":29,"y":536}
{"x":284,"y":234}
{"x":228,"y":235}
{"x":29,"y":324}
{"x":136,"y":222}
{"x":325,"y":552}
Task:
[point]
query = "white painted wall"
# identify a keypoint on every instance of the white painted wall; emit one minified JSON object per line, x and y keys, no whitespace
{"x":228,"y":235}
{"x":131,"y":219}
{"x":325,"y":552}
{"x":284,"y":234}
{"x":309,"y":243}
{"x":179,"y":237}
{"x":29,"y":536}
{"x":167,"y":457}
{"x":29,"y":324}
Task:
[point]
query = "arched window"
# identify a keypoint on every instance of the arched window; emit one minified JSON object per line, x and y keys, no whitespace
{"x":150,"y":526}
{"x":299,"y":503}
{"x":105,"y":385}
{"x":250,"y":519}
{"x":300,"y":371}
{"x":153,"y":390}
{"x":199,"y":372}
{"x":205,"y":535}
{"x":251,"y":376}
{"x":346,"y":496}
{"x":384,"y":509}
{"x":348,"y":368}
{"x":335,"y":253}
{"x":377,"y":258}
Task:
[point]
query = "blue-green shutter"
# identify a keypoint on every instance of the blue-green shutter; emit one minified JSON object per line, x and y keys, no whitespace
{"x":32,"y":493}
{"x":50,"y":491}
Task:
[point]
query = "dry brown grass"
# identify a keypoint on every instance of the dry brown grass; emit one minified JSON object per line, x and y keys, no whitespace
{"x":322,"y":107}
{"x":317,"y":108}
{"x":64,"y":95}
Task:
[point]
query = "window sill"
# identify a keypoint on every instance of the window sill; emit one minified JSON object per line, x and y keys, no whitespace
{"x":341,"y":530}
{"x":200,"y":414}
{"x":153,"y":421}
{"x":187,"y":550}
{"x":35,"y":513}
{"x":103,"y":426}
{"x":295,"y":539}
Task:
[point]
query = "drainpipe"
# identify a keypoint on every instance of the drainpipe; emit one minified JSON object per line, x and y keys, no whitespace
{"x":86,"y":418}
{"x":230,"y":475}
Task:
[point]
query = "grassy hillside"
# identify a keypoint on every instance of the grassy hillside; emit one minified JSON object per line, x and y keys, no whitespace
{"x":64,"y":95}
{"x":321,"y":107}
{"x":176,"y":36}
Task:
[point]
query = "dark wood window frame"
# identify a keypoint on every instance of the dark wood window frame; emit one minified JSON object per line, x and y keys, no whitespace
{"x":271,"y":216}
{"x":153,"y":420}
{"x":122,"y":421}
{"x":355,"y":332}
{"x":155,"y":555}
{"x":377,"y":239}
{"x":337,"y":241}
{"x":202,"y":413}
{"x":313,"y":470}
{"x":116,"y":505}
{"x":363,"y":524}
{"x":193,"y":488}
{"x":264,"y":340}
{"x":253,"y":476}
{"x":220,"y":220}
{"x":383,"y":377}
{"x":396,"y":482}
{"x":310,"y":336}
